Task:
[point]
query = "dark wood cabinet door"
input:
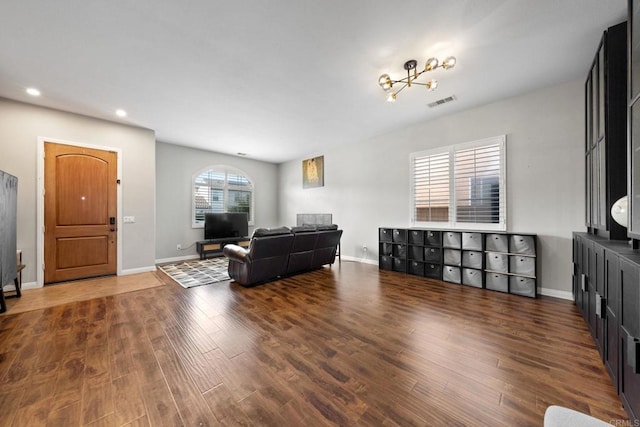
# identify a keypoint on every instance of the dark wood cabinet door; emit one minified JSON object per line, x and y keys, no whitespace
{"x":628,"y":333}
{"x":612,"y":292}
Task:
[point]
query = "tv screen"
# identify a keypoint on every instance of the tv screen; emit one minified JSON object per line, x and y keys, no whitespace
{"x":223,"y":225}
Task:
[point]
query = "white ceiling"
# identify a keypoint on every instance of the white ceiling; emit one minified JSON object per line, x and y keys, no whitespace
{"x":283,"y":79}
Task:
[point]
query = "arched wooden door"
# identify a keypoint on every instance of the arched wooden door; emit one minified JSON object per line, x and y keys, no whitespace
{"x":80,"y":212}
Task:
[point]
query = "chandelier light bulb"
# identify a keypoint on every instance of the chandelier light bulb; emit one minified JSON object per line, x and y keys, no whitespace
{"x":432,"y":64}
{"x":385,"y":82}
{"x":391,"y":97}
{"x":431,"y":85}
{"x":449,"y":62}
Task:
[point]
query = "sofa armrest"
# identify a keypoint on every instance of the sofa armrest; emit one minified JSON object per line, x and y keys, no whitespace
{"x":236,"y":253}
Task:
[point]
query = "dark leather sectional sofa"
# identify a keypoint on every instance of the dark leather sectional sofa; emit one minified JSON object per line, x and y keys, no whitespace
{"x":282,"y":252}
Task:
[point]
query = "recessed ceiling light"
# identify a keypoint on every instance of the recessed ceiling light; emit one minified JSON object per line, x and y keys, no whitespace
{"x":33,"y":91}
{"x":121,"y":113}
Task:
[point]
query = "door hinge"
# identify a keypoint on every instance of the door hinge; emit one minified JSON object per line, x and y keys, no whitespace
{"x":43,"y":266}
{"x":44,"y":229}
{"x":118,"y":181}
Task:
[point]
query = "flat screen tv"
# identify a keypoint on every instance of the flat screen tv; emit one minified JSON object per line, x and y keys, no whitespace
{"x":223,"y":225}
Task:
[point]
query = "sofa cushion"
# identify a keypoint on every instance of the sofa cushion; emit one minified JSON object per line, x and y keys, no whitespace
{"x":304,"y":229}
{"x":263,"y":232}
{"x":323,"y":227}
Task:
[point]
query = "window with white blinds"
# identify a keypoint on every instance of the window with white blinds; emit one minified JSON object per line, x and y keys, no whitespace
{"x":460,"y":186}
{"x":221,"y":189}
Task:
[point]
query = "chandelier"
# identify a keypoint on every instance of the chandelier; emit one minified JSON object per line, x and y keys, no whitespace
{"x":411,"y":66}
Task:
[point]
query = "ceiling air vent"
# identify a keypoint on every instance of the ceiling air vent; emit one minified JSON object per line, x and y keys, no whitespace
{"x":442,"y":101}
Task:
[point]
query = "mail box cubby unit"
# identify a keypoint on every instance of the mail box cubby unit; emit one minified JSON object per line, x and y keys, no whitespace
{"x":511,"y":263}
{"x":504,"y":262}
{"x":422,"y":250}
{"x":393,"y":249}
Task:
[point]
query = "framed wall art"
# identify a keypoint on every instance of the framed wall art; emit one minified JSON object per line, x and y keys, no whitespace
{"x":313,"y":172}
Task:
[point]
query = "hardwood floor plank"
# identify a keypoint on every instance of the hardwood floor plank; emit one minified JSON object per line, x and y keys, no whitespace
{"x":160,"y":406}
{"x":9,"y":404}
{"x":97,"y":398}
{"x":225,"y":408}
{"x":69,"y":415}
{"x":127,"y":399}
{"x":188,"y":399}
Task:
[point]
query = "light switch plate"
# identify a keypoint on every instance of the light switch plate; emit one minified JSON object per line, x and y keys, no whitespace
{"x":129,"y":219}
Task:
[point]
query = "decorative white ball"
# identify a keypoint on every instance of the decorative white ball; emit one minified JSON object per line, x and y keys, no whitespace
{"x":619,"y":211}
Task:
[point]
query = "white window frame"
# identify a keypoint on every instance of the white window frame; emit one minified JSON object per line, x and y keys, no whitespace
{"x":452,"y":223}
{"x":226,"y":187}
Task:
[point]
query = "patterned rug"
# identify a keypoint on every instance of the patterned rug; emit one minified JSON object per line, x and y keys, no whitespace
{"x":198,"y":272}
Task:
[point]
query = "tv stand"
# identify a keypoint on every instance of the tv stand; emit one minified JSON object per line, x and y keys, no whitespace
{"x":214,"y":246}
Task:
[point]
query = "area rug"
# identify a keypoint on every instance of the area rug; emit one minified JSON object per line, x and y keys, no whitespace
{"x":198,"y":272}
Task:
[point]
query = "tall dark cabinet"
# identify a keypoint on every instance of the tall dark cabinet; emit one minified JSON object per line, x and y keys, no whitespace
{"x":634,"y":119}
{"x":605,"y":133}
{"x":606,"y":280}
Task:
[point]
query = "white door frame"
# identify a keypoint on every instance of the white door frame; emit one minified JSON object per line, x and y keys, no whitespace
{"x":40,"y":203}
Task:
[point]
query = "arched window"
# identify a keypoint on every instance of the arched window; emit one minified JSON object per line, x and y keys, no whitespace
{"x":221,"y":189}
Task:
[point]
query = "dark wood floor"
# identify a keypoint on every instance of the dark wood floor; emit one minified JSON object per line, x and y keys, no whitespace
{"x":343,"y":346}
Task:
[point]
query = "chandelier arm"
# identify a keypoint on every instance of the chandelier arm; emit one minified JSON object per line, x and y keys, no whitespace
{"x":400,"y":90}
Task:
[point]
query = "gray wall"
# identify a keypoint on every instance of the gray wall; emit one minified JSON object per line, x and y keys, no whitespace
{"x":22,"y":124}
{"x":175,"y":166}
{"x":367,"y":183}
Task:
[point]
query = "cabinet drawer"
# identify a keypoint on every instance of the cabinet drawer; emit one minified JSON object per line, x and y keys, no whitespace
{"x":386,"y":249}
{"x":416,"y":253}
{"x":497,"y":262}
{"x":433,"y":271}
{"x":522,"y":286}
{"x":471,"y":277}
{"x":472,"y":259}
{"x":386,"y":263}
{"x":497,"y":282}
{"x":451,"y":274}
{"x":400,"y":265}
{"x":385,"y":235}
{"x":496,"y":243}
{"x":522,"y":244}
{"x":400,"y":251}
{"x":416,"y":268}
{"x":452,"y":257}
{"x":399,"y":236}
{"x":433,"y":238}
{"x":416,"y":237}
{"x":451,"y":239}
{"x":433,"y":255}
{"x":472,"y":241}
{"x":523,"y":265}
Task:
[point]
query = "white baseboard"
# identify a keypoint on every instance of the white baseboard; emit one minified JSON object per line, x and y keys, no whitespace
{"x":555,"y":293}
{"x":176,"y":259}
{"x":138,"y":270}
{"x":362,"y":260}
{"x":25,"y":285}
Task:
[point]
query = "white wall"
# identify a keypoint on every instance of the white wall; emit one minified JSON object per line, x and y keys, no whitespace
{"x":175,"y":166}
{"x":21,"y":125}
{"x":367,"y":183}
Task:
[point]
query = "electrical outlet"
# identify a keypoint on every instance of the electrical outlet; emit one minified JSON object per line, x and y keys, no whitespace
{"x":364,"y":247}
{"x":179,"y":247}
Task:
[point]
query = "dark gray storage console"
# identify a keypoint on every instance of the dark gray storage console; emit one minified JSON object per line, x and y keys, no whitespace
{"x":501,"y":262}
{"x":606,"y":278}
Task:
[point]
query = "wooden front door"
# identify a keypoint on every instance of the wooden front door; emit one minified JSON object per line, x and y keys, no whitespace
{"x":80,"y":212}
